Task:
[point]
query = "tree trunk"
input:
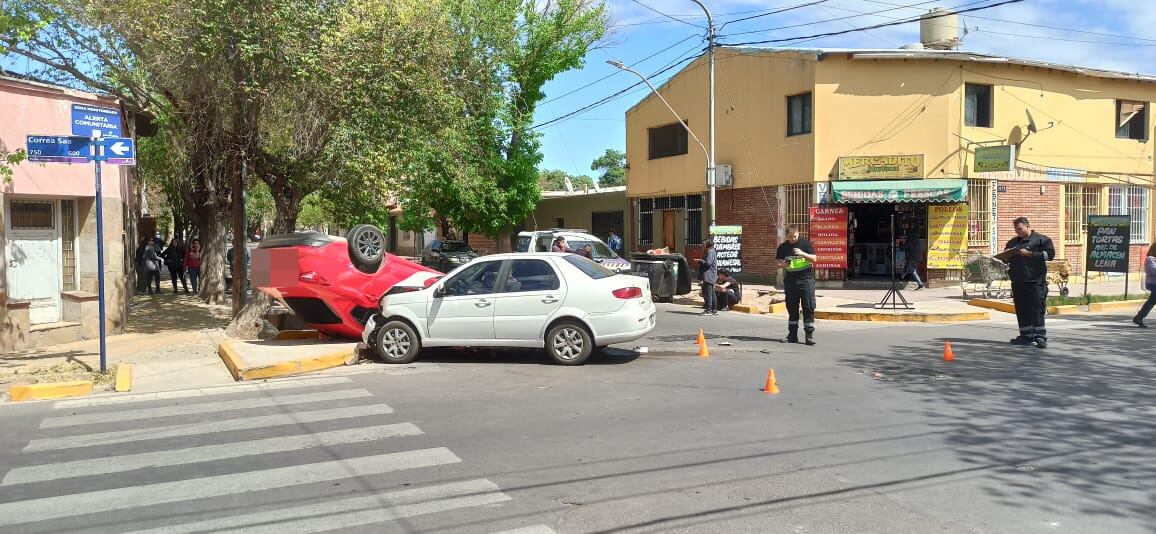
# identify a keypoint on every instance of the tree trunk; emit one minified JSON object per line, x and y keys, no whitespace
{"x":288,"y":205}
{"x":213,"y":230}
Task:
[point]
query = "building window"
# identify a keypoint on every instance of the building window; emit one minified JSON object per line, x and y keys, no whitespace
{"x":1131,"y":200}
{"x":667,"y":141}
{"x":1131,"y":120}
{"x":799,"y":114}
{"x":1080,"y":201}
{"x":68,"y":244}
{"x":977,"y":110}
{"x":32,"y":215}
{"x":694,"y":219}
{"x":798,"y":206}
{"x":979,"y":211}
{"x":646,"y":221}
{"x":559,"y":222}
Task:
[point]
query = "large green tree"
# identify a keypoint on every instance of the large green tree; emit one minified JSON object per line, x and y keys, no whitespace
{"x":555,"y":180}
{"x":612,"y":168}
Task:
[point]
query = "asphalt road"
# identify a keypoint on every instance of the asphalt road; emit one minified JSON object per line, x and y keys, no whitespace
{"x":872,"y":432}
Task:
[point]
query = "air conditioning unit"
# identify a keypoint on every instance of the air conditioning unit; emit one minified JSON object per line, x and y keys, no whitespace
{"x":725,"y":175}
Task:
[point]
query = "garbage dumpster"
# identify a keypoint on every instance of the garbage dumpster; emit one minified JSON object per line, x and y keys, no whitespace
{"x":669,"y":274}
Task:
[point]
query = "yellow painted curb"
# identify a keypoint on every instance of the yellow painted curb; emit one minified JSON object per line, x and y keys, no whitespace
{"x":293,"y":367}
{"x":889,"y":317}
{"x":54,"y":390}
{"x":123,"y":377}
{"x":299,"y":334}
{"x":1064,"y":310}
{"x":1118,"y":305}
{"x":1005,"y":307}
{"x":778,"y":307}
{"x":746,"y":308}
{"x":231,"y":357}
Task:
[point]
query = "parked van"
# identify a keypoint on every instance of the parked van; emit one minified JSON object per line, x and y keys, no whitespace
{"x":543,"y":241}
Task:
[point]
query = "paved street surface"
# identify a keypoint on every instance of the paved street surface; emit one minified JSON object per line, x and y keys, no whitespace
{"x":872,"y":432}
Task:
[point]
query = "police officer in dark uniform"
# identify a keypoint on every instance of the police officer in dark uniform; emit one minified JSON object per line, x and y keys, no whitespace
{"x":1028,"y":270}
{"x":797,"y":256}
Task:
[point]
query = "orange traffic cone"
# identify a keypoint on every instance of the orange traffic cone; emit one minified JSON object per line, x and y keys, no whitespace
{"x":701,"y":338}
{"x":948,"y":356}
{"x":703,"y":351}
{"x":772,"y":388}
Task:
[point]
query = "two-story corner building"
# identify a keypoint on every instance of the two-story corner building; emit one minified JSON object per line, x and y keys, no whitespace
{"x":48,"y":271}
{"x":871,"y":134}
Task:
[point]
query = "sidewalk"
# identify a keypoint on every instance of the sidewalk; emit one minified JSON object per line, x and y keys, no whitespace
{"x":171,"y":341}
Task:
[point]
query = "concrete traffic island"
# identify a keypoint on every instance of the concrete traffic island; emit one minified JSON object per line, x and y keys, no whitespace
{"x":273,"y":358}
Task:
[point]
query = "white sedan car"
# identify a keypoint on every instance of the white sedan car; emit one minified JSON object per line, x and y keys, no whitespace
{"x":564,"y":303}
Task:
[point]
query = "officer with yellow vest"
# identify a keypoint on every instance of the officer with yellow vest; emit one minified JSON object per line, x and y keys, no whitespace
{"x":797,"y":256}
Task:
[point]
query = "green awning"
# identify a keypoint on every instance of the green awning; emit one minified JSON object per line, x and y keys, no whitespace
{"x":939,"y":190}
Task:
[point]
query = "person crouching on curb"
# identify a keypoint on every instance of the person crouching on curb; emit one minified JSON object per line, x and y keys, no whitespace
{"x":797,"y":256}
{"x":726,"y":290}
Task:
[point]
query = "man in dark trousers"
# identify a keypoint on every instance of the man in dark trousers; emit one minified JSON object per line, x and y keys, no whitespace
{"x":1028,"y":270}
{"x":797,"y":256}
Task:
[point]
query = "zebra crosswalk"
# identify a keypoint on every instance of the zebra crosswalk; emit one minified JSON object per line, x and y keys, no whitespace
{"x":304,"y":456}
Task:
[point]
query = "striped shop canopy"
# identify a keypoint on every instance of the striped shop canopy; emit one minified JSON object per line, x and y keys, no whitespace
{"x":938,"y":190}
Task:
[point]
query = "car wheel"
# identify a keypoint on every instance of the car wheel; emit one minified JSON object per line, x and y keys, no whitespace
{"x":366,"y":247}
{"x":568,"y":343}
{"x":396,"y":342}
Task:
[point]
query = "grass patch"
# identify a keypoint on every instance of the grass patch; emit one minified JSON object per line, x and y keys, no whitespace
{"x":1089,"y":299}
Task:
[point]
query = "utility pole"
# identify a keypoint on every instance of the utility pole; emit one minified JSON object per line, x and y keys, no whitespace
{"x":711,"y":177}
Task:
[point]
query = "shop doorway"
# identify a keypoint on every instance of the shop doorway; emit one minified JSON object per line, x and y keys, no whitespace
{"x":871,"y":241}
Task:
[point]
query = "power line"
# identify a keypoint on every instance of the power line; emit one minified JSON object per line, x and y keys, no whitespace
{"x":665,"y":15}
{"x":616,"y":71}
{"x":773,"y":12}
{"x":1044,"y":26}
{"x":874,"y":27}
{"x":837,"y":19}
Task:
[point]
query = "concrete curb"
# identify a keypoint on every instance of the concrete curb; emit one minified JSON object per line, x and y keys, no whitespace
{"x":123,"y":378}
{"x":1072,"y":309}
{"x":746,"y":308}
{"x":778,"y":307}
{"x":240,"y":371}
{"x":912,"y":317}
{"x":1119,"y":305}
{"x":996,"y":305}
{"x":53,"y":390}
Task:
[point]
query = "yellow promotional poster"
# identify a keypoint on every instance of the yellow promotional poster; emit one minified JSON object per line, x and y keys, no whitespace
{"x":946,"y":236}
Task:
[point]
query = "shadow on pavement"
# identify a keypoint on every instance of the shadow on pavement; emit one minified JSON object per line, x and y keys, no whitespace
{"x":151,"y":314}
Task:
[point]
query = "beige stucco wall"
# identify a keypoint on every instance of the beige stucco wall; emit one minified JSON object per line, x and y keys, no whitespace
{"x":577,"y":210}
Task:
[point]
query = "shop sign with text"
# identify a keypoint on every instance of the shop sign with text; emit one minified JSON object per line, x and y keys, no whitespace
{"x":946,"y":236}
{"x":828,"y":233}
{"x":880,"y":167}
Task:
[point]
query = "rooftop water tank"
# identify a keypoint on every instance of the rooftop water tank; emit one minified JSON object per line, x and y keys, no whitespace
{"x":939,"y":29}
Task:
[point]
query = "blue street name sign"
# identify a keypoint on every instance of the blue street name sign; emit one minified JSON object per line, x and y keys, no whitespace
{"x":90,"y":121}
{"x":59,"y":149}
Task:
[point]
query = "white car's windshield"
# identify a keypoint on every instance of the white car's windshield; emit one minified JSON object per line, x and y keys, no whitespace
{"x":601,"y":251}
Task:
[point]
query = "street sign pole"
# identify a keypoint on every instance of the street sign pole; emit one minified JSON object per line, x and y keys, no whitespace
{"x":98,"y":150}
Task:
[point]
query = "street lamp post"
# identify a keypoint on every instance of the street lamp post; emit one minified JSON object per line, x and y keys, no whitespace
{"x":672,"y":111}
{"x":712,"y":177}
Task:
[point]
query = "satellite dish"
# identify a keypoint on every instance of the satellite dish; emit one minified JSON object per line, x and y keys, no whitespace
{"x":1031,"y":122}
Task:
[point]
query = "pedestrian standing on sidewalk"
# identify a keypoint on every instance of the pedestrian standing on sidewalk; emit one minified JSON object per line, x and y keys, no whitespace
{"x":193,"y":263}
{"x":142,"y":274}
{"x":615,"y":242}
{"x":1150,"y":284}
{"x":1028,"y":270}
{"x":174,"y":257}
{"x":913,"y":254}
{"x":796,"y":257}
{"x":707,"y":276}
{"x":152,"y":265}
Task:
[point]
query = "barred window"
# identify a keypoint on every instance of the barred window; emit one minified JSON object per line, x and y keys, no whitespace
{"x":979,"y":211}
{"x":694,"y":220}
{"x":1131,"y":200}
{"x":798,"y":210}
{"x":646,"y":221}
{"x":1080,"y":201}
{"x":68,"y":244}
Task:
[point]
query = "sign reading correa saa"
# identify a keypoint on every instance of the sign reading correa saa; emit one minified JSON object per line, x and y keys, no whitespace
{"x":89,"y":120}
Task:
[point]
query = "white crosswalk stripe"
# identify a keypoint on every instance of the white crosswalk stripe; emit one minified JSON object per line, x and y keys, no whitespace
{"x":200,"y":392}
{"x":170,"y":411}
{"x":254,"y":461}
{"x":196,"y":429}
{"x":208,"y":453}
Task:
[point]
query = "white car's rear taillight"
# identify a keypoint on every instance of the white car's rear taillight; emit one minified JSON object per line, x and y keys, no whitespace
{"x":627,"y":293}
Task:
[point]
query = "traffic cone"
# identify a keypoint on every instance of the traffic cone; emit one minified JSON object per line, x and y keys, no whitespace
{"x":703,"y":351}
{"x":948,"y":356}
{"x":772,"y":388}
{"x":701,"y":338}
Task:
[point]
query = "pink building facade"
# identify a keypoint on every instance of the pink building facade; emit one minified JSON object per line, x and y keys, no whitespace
{"x":48,"y":272}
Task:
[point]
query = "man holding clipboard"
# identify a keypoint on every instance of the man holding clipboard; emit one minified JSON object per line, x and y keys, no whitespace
{"x":1027,"y":255}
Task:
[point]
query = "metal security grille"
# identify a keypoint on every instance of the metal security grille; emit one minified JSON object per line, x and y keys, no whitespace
{"x":1080,"y":201}
{"x":32,"y":215}
{"x":979,"y":211}
{"x":646,"y":221}
{"x":1131,"y":200}
{"x":694,"y":220}
{"x":68,"y":244}
{"x":798,"y":197}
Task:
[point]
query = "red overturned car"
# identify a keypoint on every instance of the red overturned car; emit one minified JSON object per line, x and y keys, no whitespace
{"x":333,"y":284}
